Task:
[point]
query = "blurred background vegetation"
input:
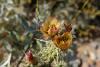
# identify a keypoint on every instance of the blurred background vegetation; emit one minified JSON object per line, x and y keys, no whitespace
{"x":20,"y":21}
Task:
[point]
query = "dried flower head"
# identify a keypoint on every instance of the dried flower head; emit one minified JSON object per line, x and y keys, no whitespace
{"x":61,"y":38}
{"x":50,"y":27}
{"x":64,"y":40}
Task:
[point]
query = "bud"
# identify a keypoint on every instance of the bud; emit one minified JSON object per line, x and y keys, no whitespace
{"x":30,"y":58}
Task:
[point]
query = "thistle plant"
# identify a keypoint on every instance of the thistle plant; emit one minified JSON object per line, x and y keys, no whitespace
{"x":51,"y":54}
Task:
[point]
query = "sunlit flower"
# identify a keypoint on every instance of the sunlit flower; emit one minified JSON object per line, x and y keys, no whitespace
{"x":50,"y":27}
{"x":63,"y":41}
{"x":61,"y":38}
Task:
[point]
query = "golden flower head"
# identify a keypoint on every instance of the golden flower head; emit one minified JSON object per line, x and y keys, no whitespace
{"x":50,"y":27}
{"x":63,"y":41}
{"x":61,"y":38}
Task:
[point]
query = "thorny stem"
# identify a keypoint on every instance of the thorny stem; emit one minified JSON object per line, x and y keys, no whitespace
{"x":57,"y":56}
{"x":23,"y":56}
{"x":28,"y":47}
